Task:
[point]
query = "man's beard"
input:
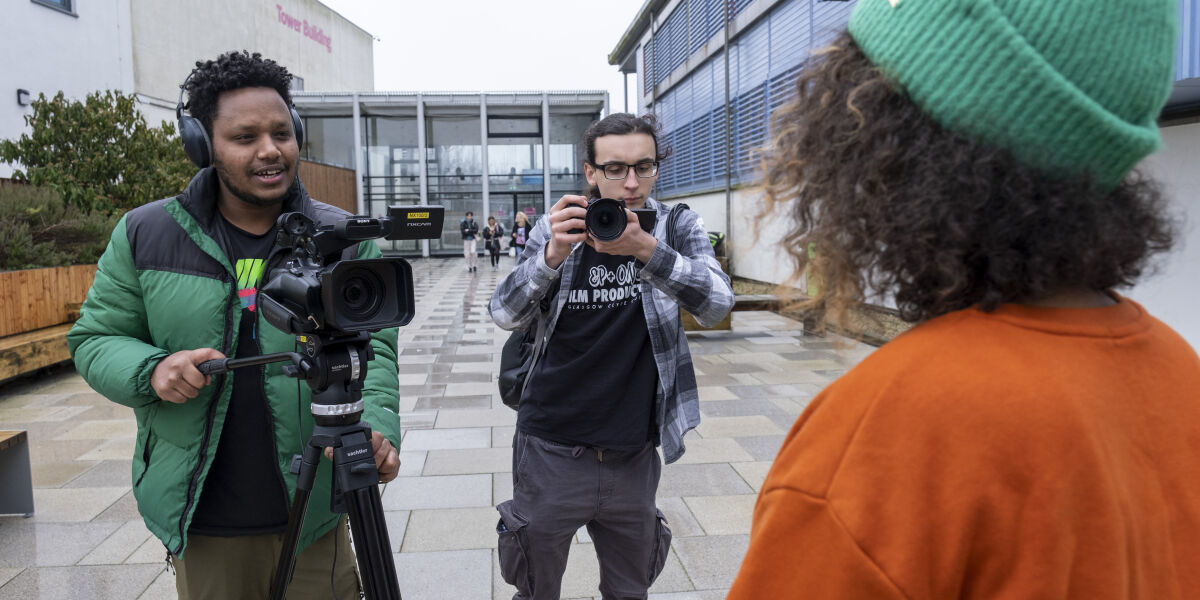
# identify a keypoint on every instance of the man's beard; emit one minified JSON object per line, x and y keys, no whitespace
{"x":245,"y":196}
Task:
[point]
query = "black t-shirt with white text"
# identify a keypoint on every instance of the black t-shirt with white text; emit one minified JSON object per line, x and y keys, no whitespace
{"x":244,"y":493}
{"x":595,"y":384}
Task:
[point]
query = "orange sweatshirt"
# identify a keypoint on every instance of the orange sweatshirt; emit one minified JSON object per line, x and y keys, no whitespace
{"x":1024,"y":454}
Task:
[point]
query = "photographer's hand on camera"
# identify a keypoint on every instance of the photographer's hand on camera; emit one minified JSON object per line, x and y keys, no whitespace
{"x":176,"y":378}
{"x":633,"y":242}
{"x":566,"y":214}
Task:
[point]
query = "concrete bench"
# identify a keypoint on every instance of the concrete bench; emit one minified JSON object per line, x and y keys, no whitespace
{"x":16,"y":478}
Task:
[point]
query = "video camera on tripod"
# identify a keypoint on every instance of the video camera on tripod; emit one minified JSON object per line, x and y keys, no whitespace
{"x":332,"y":306}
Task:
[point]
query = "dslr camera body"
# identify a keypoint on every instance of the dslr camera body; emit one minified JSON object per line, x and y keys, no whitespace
{"x":606,"y":219}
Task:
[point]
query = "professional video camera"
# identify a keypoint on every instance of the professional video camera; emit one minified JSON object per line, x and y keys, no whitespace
{"x":606,"y":219}
{"x":331,"y":306}
{"x":314,"y":291}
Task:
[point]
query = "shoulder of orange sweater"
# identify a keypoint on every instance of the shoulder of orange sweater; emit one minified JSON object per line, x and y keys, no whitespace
{"x":955,"y":365}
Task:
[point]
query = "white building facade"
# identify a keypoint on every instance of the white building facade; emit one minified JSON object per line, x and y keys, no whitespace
{"x":147,"y":47}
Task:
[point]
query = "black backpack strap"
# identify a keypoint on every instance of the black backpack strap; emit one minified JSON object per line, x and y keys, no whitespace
{"x":672,"y":220}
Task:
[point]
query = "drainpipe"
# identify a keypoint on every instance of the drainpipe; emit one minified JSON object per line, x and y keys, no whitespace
{"x":728,"y":151}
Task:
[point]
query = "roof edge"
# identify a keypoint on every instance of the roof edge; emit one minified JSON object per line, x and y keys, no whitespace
{"x":634,"y":31}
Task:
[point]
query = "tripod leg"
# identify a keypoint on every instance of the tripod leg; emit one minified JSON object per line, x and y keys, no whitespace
{"x":371,"y":544}
{"x":287,"y":555}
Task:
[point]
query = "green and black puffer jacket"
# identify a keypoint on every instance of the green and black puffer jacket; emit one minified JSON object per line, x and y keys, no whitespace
{"x":164,"y":284}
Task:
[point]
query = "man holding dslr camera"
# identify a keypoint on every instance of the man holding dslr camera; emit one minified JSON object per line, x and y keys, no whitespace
{"x":612,"y":376}
{"x":176,"y":287}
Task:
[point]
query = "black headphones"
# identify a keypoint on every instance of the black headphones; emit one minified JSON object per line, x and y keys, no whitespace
{"x":196,"y":143}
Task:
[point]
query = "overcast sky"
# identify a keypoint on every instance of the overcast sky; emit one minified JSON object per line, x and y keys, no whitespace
{"x":484,"y":45}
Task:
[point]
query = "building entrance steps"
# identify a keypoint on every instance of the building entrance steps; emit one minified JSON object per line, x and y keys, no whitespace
{"x":754,"y":379}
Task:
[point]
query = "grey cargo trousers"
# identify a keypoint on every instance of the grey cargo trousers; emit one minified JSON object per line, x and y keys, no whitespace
{"x":556,"y":490}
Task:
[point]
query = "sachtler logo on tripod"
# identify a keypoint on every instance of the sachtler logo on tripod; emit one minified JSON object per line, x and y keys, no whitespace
{"x":331,"y":306}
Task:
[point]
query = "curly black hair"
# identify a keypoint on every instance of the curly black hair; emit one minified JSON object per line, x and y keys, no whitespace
{"x":885,"y":200}
{"x":231,"y":71}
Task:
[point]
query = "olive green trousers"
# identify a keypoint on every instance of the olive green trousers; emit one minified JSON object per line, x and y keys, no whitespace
{"x":221,"y":568}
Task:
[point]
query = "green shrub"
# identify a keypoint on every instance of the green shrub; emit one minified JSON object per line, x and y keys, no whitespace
{"x":39,"y":229}
{"x":99,"y":154}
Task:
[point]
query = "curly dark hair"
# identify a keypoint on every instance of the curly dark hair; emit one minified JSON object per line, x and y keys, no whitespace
{"x":231,"y":71}
{"x":885,"y":200}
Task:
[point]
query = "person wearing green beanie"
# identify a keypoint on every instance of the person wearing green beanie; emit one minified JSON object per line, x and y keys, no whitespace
{"x":1035,"y":433}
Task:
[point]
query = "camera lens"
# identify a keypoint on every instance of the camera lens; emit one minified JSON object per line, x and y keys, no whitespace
{"x":606,"y":219}
{"x":362,"y":295}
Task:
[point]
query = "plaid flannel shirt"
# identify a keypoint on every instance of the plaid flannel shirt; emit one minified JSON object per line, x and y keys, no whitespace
{"x":688,"y":277}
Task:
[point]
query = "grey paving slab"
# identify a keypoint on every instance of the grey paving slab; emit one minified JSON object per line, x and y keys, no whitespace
{"x":714,"y":450}
{"x":723,"y":515}
{"x":679,"y":517}
{"x":397,"y":526}
{"x":448,"y":491}
{"x":28,"y":543}
{"x":105,"y":581}
{"x":118,"y":546}
{"x":701,"y":480}
{"x":734,"y":427}
{"x":82,"y":504}
{"x":454,"y":575}
{"x":762,"y":447}
{"x":450,"y":529}
{"x":163,"y":588}
{"x":753,"y":472}
{"x":106,"y":473}
{"x":497,"y":415}
{"x":467,"y":461}
{"x":502,"y":487}
{"x":711,"y":561}
{"x":447,"y":439}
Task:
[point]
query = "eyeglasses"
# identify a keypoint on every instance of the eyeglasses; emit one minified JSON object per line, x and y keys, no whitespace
{"x":618,"y":171}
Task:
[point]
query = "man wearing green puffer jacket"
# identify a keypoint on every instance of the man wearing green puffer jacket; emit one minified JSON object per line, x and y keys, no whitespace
{"x":176,"y":287}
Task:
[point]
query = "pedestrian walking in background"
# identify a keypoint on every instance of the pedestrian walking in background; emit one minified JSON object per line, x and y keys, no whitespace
{"x":1036,"y":434}
{"x":520,"y":233}
{"x":469,"y":229}
{"x":492,"y":235}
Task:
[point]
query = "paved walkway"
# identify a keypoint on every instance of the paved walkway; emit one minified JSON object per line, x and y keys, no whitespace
{"x":86,"y":539}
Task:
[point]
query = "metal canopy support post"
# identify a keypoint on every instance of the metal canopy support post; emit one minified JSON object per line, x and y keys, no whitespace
{"x":546,"y":151}
{"x":483,"y":155}
{"x":625,"y":96}
{"x":421,"y":154}
{"x":359,"y":152}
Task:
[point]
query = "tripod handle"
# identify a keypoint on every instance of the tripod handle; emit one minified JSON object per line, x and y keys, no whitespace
{"x":221,"y":365}
{"x":212,"y":367}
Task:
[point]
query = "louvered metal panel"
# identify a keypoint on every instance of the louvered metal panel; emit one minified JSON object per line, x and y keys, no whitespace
{"x":790,"y":28}
{"x":754,"y":57}
{"x":740,"y":5}
{"x":705,"y":19}
{"x":1187,"y":57}
{"x":671,"y":43}
{"x":828,"y":19}
{"x":765,"y":61}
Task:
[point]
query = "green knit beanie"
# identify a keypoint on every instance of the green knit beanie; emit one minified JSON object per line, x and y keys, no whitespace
{"x":1068,"y":86}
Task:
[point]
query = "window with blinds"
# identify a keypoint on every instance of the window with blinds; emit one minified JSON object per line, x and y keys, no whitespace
{"x":764,"y":62}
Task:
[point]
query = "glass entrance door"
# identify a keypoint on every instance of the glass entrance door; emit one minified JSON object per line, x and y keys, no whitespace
{"x":505,"y":206}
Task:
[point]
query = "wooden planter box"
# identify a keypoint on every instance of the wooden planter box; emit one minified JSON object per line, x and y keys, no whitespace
{"x":37,"y":307}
